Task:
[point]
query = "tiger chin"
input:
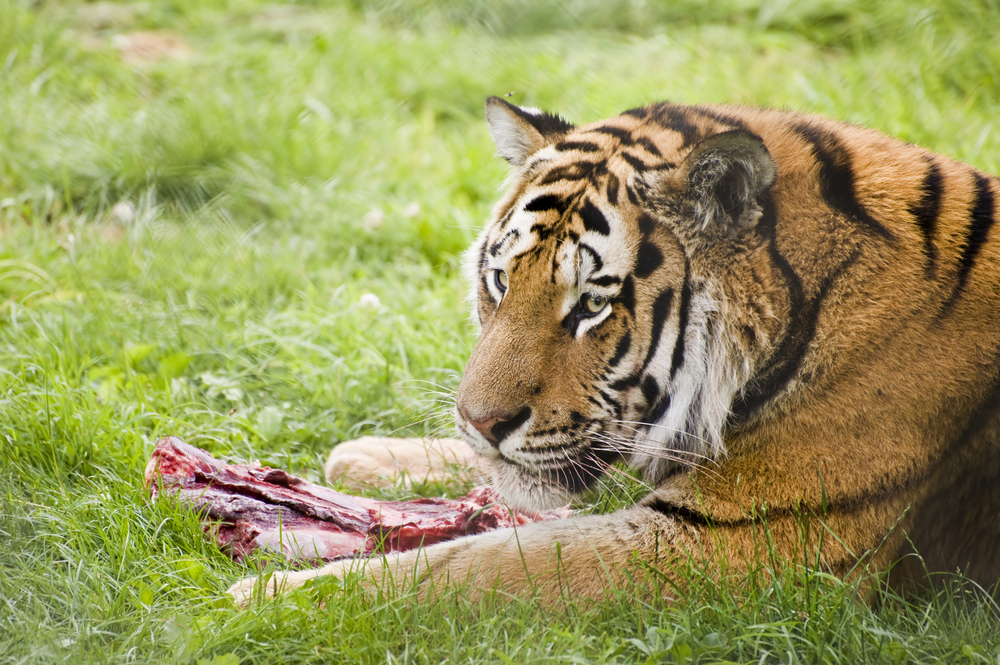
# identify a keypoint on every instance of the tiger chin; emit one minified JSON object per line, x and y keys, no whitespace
{"x":773,"y":316}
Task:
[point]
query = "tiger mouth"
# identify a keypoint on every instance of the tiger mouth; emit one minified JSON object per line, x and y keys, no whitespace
{"x":550,"y":473}
{"x":571,"y":475}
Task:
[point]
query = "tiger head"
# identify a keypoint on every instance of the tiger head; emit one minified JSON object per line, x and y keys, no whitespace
{"x":620,"y":307}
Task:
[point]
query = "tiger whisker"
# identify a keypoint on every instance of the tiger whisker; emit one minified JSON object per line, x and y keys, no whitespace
{"x":672,"y":430}
{"x":608,"y":446}
{"x":639,"y":432}
{"x":631,"y":446}
{"x":627,"y":447}
{"x":610,"y":473}
{"x":617,"y":475}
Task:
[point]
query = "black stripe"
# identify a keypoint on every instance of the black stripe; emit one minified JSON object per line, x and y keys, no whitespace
{"x":576,"y":171}
{"x":836,"y":177}
{"x":987,"y":412}
{"x":657,"y":410}
{"x":639,"y":113}
{"x":766,"y":382}
{"x":604,"y":280}
{"x":593,"y":219}
{"x":629,"y":381}
{"x":482,"y":256}
{"x":571,"y":322}
{"x":787,"y":359}
{"x":680,"y":512}
{"x":533,"y":252}
{"x":675,"y":119}
{"x":847,"y":506}
{"x":631,"y":194}
{"x":486,"y":290}
{"x":612,"y":192}
{"x":635,"y":162}
{"x":720,"y":117}
{"x":648,"y":259}
{"x":582,"y":146}
{"x":611,"y":401}
{"x":926,"y":212}
{"x":649,"y":146}
{"x":598,"y":263}
{"x":536,"y":165}
{"x":546,"y":123}
{"x":677,"y":359}
{"x":646,"y":224}
{"x":624,"y":344}
{"x":546,"y":202}
{"x":506,"y":218}
{"x":622,"y":135}
{"x":627,"y":295}
{"x":983,"y":218}
{"x":498,"y":245}
{"x":650,"y":389}
{"x":543,"y":231}
{"x":661,"y":308}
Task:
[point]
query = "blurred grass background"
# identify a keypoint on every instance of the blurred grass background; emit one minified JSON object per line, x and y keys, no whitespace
{"x":195,"y":196}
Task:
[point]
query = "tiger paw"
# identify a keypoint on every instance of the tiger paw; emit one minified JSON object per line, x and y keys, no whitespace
{"x":251,"y":589}
{"x":255,"y":589}
{"x":243,"y":591}
{"x":380,"y":461}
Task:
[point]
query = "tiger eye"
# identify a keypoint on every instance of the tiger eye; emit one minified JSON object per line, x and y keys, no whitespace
{"x":502,"y":280}
{"x":594,"y":304}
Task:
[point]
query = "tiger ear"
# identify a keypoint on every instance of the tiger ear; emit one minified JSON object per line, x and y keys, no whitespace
{"x":519,"y":132}
{"x":726,"y":174}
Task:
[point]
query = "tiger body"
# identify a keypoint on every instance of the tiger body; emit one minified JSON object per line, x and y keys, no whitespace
{"x":774,"y":316}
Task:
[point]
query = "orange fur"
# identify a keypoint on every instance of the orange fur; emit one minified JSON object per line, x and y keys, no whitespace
{"x":816,"y":304}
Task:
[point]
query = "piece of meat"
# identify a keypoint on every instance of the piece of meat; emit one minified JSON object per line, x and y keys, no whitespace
{"x":247,"y":507}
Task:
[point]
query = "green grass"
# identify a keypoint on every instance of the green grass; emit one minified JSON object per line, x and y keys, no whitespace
{"x":226,"y":310}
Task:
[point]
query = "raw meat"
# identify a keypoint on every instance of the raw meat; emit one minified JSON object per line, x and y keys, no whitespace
{"x":248,"y":507}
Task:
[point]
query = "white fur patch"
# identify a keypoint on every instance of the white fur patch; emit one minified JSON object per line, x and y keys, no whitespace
{"x":701,"y":392}
{"x":515,"y":139}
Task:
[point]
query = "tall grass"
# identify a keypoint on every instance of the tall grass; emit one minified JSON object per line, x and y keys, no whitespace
{"x":184,"y":247}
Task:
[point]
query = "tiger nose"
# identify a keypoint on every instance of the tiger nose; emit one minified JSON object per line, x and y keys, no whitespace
{"x":498,"y":424}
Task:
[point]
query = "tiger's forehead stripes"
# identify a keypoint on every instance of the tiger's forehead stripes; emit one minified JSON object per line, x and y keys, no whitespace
{"x":584,"y":235}
{"x":628,"y":142}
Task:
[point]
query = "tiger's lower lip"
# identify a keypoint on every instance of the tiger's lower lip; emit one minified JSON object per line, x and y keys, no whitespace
{"x":506,"y":460}
{"x":523,"y":467}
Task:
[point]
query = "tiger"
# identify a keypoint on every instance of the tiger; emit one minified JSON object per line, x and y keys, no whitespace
{"x":769,"y":315}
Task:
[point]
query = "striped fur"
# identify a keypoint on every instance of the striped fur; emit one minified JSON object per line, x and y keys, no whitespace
{"x":802,"y":318}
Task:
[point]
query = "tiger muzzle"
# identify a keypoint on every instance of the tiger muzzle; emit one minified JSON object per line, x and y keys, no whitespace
{"x":496,"y":426}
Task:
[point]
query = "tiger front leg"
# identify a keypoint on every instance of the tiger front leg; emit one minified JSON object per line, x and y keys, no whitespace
{"x":376,"y":461}
{"x":582,"y":557}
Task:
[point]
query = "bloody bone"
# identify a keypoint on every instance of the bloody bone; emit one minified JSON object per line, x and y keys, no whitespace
{"x":248,"y":507}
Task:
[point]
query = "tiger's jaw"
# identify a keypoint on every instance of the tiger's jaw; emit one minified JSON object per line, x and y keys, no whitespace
{"x":539,"y":470}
